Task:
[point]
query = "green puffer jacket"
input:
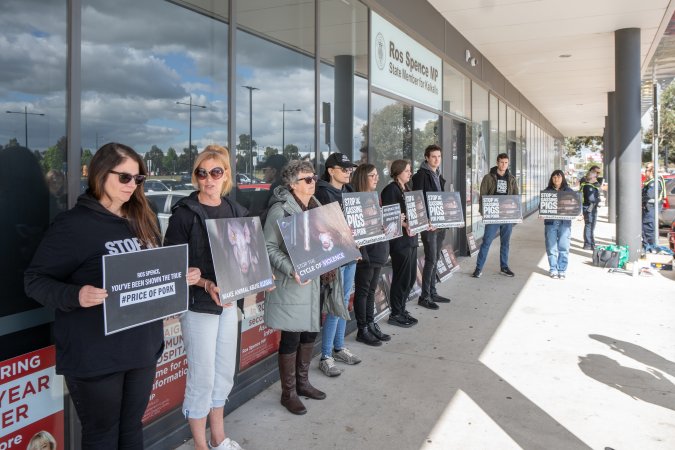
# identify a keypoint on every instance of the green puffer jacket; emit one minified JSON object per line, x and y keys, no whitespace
{"x":292,"y":307}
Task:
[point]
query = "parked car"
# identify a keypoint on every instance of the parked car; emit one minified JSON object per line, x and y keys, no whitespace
{"x":155,"y":186}
{"x":671,"y":236}
{"x":162,"y":202}
{"x":171,"y":184}
{"x":667,"y":214}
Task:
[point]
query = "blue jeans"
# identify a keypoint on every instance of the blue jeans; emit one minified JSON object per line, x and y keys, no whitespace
{"x":333,"y":332}
{"x":504,"y":238}
{"x":557,"y":235}
{"x":590,"y":218}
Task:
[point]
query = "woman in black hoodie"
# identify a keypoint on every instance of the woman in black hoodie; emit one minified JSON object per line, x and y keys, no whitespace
{"x":109,"y":377}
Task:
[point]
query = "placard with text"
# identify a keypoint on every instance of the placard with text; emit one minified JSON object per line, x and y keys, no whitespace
{"x":416,"y":212}
{"x":364,"y":216}
{"x":445,"y":209}
{"x":447,"y":263}
{"x":559,"y":205}
{"x":391,"y":219}
{"x":144,"y":286}
{"x":258,"y":341}
{"x":500,"y":209}
{"x":471,"y":243}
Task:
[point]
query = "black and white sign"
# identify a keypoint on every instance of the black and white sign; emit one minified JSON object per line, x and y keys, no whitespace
{"x":364,"y":216}
{"x":239,"y":257}
{"x":144,"y":286}
{"x":318,"y":240}
{"x":447,"y":263}
{"x":559,"y":205}
{"x":498,"y":209}
{"x":471,"y":242}
{"x":445,"y":209}
{"x":391,"y":219}
{"x":416,"y":212}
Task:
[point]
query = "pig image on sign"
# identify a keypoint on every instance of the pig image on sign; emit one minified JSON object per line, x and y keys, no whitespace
{"x":239,"y":236}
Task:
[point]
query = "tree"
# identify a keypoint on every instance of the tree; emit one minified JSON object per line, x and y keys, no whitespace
{"x":573,"y":145}
{"x":170,"y":160}
{"x":391,"y":135}
{"x":85,"y":157}
{"x":244,"y":153}
{"x":12,"y":143}
{"x":183,"y":164}
{"x":156,"y":155}
{"x":55,"y":156}
{"x":666,"y":126}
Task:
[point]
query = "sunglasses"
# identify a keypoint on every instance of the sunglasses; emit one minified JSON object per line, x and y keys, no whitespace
{"x":125,"y":178}
{"x":216,"y":173}
{"x":309,"y":180}
{"x":344,"y":169}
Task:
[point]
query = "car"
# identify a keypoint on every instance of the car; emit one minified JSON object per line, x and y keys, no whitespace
{"x":671,"y":236}
{"x":155,"y":186}
{"x":242,"y":178}
{"x":667,"y":213}
{"x":162,"y":202}
{"x":170,"y":183}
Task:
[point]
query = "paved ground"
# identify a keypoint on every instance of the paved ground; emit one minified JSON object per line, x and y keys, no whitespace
{"x":526,"y":362}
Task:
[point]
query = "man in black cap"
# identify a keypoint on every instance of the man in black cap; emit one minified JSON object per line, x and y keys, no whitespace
{"x":271,"y":168}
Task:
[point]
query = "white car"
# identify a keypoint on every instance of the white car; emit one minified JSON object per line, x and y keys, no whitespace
{"x":162,"y":202}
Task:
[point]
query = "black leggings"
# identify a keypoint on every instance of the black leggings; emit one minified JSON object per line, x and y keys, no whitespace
{"x":291,"y":339}
{"x":365,"y":283}
{"x":110,"y":408}
{"x":404,"y":273}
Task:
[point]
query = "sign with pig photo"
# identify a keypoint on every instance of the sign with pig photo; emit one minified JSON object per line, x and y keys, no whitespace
{"x":239,"y":257}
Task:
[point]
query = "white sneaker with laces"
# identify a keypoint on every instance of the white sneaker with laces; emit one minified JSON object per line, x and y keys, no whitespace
{"x":328,"y":367}
{"x":227,"y":444}
{"x":346,"y":356}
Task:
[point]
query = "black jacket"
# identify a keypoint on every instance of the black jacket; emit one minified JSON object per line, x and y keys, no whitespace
{"x":327,"y":193}
{"x":71,"y":256}
{"x":391,"y":194}
{"x":423,"y":180}
{"x":375,"y":254}
{"x":187,"y":224}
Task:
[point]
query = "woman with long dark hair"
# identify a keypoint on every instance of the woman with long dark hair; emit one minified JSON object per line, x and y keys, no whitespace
{"x":373,"y":257}
{"x":109,"y":378}
{"x":403,"y":249}
{"x":557,"y":233}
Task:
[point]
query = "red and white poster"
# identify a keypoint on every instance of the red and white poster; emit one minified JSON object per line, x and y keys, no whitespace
{"x":31,"y":401}
{"x":169,"y":387}
{"x":257,"y":341}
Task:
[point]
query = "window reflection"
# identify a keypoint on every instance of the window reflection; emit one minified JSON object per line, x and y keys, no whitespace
{"x":390,"y":134}
{"x":424,"y":134}
{"x":479,"y":154}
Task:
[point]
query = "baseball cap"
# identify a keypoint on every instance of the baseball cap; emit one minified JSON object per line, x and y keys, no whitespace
{"x":339,"y":159}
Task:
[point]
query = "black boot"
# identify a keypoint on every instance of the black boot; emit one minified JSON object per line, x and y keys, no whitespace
{"x":303,"y":386}
{"x":289,"y":398}
{"x":375,"y":330}
{"x":364,"y":335}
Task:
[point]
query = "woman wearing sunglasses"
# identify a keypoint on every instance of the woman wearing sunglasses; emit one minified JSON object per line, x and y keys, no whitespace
{"x":294,"y":307}
{"x":209,"y":326}
{"x":109,"y":377}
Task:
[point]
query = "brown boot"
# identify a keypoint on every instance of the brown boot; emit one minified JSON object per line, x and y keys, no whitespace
{"x":303,"y":386}
{"x":289,"y":398}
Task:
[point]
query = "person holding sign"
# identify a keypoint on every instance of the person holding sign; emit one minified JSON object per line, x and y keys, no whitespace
{"x":590,"y":189}
{"x":498,"y":182}
{"x":373,"y":257}
{"x":329,"y":189}
{"x":557,"y":233}
{"x":429,"y":179}
{"x":109,"y":377}
{"x":403,"y":249}
{"x":294,"y":308}
{"x":209,"y":326}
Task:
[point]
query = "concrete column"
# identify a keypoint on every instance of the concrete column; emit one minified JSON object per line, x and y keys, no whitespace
{"x":610,"y":155}
{"x":344,"y":104}
{"x":627,"y":134}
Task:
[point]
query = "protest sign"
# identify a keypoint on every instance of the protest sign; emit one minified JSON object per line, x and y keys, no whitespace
{"x":239,"y":257}
{"x":257,"y":340}
{"x":364,"y":216}
{"x":499,"y":209}
{"x":416,"y":212}
{"x":471,"y":242}
{"x":447,"y":263}
{"x":144,"y":286}
{"x":391,"y":219}
{"x":445,"y":209}
{"x":559,"y":205}
{"x":318,"y":240}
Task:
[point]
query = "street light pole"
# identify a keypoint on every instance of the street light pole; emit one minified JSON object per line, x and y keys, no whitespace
{"x":191,"y":105}
{"x":25,"y":119}
{"x":283,"y":127}
{"x":250,"y":125}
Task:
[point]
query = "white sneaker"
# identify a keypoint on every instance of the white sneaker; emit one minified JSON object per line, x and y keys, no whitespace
{"x":328,"y":367}
{"x":227,"y":444}
{"x":346,"y":356}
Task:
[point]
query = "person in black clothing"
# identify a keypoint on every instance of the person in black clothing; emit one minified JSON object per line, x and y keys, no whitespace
{"x":374,"y":256}
{"x":403,"y":249}
{"x":209,"y":327}
{"x":429,"y":179}
{"x":590,"y":188}
{"x":109,"y":377}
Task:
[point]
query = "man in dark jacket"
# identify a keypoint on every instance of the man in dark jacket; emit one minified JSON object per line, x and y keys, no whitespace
{"x":429,"y":179}
{"x":653,"y":193}
{"x":498,"y":182}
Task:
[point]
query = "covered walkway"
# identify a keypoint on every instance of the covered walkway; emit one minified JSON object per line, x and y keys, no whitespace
{"x":527,"y":362}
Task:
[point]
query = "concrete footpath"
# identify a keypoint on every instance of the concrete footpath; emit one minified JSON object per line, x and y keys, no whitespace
{"x":527,"y":362}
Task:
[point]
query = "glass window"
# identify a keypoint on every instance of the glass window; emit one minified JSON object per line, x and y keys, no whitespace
{"x":343,"y":80}
{"x":275,"y":94}
{"x":479,"y":162}
{"x":456,"y":92}
{"x":33,"y":149}
{"x":425,"y":133}
{"x":494,"y":129}
{"x":390,"y":134}
{"x":502,"y":128}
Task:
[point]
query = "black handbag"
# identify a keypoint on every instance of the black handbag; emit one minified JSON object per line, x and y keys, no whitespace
{"x":607,"y":259}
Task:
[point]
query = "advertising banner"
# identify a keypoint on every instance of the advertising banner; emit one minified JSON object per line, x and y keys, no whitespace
{"x":498,"y":209}
{"x":391,"y":219}
{"x":402,"y":66}
{"x":471,"y":241}
{"x":416,"y":212}
{"x":31,"y":402}
{"x":318,"y":240}
{"x":364,"y":216}
{"x":168,"y":389}
{"x":559,"y":205}
{"x":144,"y":286}
{"x":257,"y":340}
{"x":445,"y":209}
{"x":447,"y":263}
{"x":239,"y":257}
